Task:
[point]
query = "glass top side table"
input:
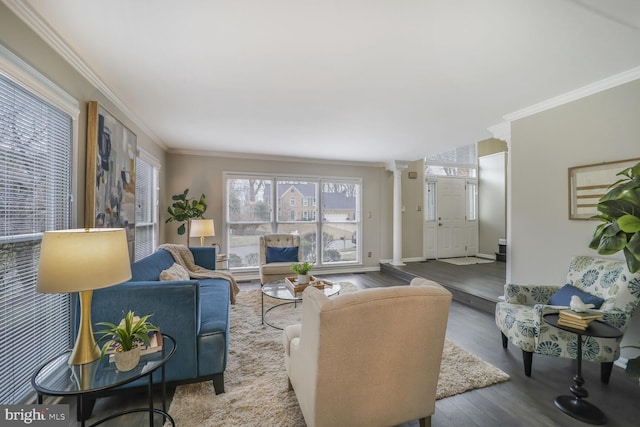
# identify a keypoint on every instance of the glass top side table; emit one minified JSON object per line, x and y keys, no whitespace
{"x":58,"y":378}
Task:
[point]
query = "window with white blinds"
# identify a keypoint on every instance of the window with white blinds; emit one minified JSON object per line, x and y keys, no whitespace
{"x":146,"y":207}
{"x":36,"y":142}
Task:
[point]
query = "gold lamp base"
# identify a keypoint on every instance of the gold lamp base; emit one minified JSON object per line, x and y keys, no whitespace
{"x":85,"y":349}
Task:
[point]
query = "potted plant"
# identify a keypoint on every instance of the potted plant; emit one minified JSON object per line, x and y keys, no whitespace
{"x":302,"y":270}
{"x":185,"y":209}
{"x":633,"y":365}
{"x":620,"y":214}
{"x":126,"y":336}
{"x":620,"y":230}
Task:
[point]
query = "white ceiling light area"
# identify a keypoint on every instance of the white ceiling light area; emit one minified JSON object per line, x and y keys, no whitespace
{"x":352,"y":80}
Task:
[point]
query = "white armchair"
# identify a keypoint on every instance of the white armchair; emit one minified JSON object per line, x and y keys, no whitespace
{"x":370,"y":357}
{"x":271,"y":246}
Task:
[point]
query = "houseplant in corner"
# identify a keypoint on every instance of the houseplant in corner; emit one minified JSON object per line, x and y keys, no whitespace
{"x":620,"y":213}
{"x":185,"y":209}
{"x":302,"y":270}
{"x":620,"y":231}
{"x":125,"y":337}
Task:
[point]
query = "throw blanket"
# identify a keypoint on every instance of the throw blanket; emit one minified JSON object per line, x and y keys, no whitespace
{"x":183,"y":256}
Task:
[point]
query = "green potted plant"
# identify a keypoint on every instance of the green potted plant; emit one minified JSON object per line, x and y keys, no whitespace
{"x":125,"y":337}
{"x":620,"y":230}
{"x":302,"y":270}
{"x":633,"y":365}
{"x":185,"y":209}
{"x":620,"y":213}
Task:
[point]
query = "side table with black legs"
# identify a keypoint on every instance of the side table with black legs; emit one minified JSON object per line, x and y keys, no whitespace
{"x":85,"y":382}
{"x":575,"y":405}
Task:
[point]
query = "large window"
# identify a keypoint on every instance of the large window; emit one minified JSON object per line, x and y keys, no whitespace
{"x":260,"y":205}
{"x":36,"y":146}
{"x":146,"y":205}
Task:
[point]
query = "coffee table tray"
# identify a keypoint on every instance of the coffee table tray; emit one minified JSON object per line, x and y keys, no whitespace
{"x":295,"y":287}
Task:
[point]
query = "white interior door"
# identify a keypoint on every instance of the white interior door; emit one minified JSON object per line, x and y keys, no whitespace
{"x":451,"y":218}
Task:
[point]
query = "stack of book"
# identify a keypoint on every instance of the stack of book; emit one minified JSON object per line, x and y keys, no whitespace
{"x":578,"y":320}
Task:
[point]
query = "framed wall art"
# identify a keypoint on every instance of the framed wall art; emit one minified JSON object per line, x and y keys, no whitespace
{"x":110,"y":197}
{"x":590,"y":182}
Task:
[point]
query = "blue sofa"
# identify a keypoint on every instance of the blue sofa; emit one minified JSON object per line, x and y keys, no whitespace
{"x":194,"y":312}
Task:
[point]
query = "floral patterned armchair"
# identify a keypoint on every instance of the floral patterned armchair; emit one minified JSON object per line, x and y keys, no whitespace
{"x":519,"y":316}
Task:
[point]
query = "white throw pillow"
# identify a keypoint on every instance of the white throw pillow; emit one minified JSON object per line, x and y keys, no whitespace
{"x":175,"y":272}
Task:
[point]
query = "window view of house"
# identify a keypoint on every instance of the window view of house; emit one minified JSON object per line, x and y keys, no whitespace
{"x":325,"y":214}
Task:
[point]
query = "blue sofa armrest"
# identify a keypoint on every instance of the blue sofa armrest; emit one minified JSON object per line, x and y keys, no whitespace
{"x":176,"y":311}
{"x":204,"y":256}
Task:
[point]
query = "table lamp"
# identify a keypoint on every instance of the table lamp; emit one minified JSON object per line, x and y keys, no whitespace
{"x":202,"y":228}
{"x":82,"y":260}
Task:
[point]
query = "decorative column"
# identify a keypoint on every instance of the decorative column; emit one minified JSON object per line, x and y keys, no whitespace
{"x":397,"y":166}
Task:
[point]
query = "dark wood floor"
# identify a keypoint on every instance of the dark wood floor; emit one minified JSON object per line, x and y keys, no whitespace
{"x":521,"y":401}
{"x":478,"y":285}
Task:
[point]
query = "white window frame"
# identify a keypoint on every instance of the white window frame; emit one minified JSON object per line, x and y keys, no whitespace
{"x":56,"y":331}
{"x":312,"y":217}
{"x":153,"y":201}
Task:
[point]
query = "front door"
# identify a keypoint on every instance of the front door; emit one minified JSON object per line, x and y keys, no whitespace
{"x":451,"y":218}
{"x":448,"y":233}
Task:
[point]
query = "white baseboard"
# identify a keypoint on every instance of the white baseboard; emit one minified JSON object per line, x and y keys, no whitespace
{"x":486,"y":256}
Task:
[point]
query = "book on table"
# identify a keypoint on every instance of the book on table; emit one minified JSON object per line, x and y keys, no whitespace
{"x":155,"y":344}
{"x":578,"y":320}
{"x":574,"y":325}
{"x":583,"y":315}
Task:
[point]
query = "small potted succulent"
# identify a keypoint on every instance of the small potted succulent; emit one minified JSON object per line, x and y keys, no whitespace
{"x":302,"y":269}
{"x":125,"y":337}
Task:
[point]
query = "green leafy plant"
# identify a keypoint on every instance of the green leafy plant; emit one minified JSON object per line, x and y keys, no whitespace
{"x":302,"y":268}
{"x":184,"y":209}
{"x":620,"y":214}
{"x":126,"y":334}
{"x":633,"y":365}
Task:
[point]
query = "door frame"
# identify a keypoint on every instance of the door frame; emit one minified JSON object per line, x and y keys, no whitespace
{"x":430,"y":217}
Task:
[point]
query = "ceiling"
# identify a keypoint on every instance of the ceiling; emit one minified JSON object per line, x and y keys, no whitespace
{"x":363,"y":80}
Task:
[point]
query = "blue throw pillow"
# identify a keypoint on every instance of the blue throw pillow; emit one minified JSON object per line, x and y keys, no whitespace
{"x":289,"y":254}
{"x":563,"y":297}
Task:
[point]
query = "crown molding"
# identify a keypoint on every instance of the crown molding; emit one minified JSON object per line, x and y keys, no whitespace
{"x":574,"y":95}
{"x":275,"y":158}
{"x":501,"y":131}
{"x":42,"y":29}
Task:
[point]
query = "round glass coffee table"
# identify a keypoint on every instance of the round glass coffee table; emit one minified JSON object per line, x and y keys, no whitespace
{"x":280,"y":291}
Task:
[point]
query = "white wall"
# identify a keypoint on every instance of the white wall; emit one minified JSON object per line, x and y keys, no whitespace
{"x":203,"y":174}
{"x":492,"y":202}
{"x":600,"y":128}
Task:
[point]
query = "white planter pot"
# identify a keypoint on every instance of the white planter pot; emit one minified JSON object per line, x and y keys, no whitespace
{"x":303,"y":279}
{"x":127,"y":360}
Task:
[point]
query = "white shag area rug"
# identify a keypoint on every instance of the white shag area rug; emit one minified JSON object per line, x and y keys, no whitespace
{"x":256,"y":390}
{"x":468,"y":260}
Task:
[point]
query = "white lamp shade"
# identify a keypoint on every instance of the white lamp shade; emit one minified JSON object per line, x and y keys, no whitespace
{"x":202,"y":228}
{"x":83,"y":259}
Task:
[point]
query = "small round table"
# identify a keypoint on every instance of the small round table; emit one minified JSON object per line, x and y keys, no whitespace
{"x":575,"y":405}
{"x":58,"y":378}
{"x":280,"y":290}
